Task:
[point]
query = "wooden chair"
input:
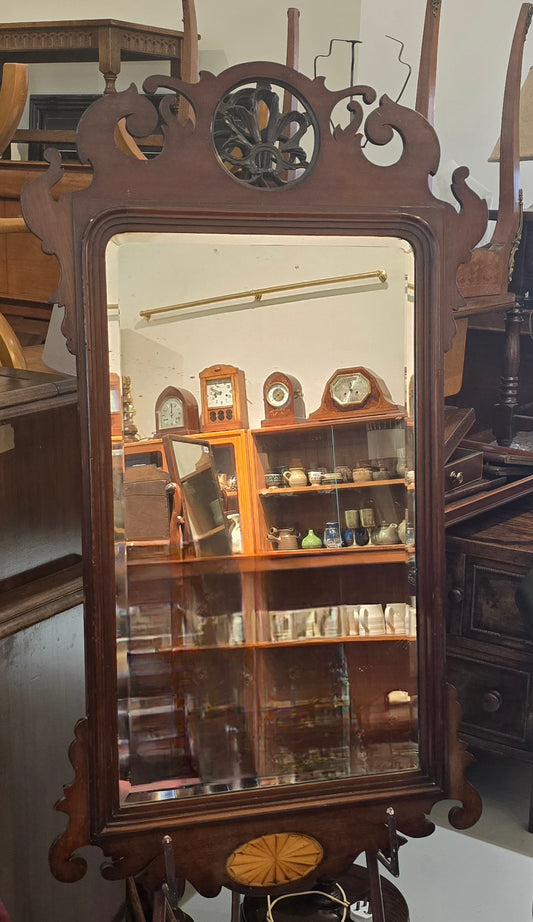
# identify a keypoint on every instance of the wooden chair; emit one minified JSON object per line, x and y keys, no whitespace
{"x":484,"y":281}
{"x":13,"y":95}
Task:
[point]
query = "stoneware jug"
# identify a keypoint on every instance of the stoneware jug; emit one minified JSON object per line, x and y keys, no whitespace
{"x":296,"y":477}
{"x":235,"y":531}
{"x":285,"y":539}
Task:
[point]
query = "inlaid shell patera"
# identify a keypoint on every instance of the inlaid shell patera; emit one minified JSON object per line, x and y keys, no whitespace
{"x":274,"y":859}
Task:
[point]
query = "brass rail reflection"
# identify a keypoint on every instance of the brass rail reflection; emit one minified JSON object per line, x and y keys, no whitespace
{"x":257,"y":293}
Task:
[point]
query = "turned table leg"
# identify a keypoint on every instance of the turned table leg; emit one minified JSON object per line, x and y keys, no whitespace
{"x":503,"y":411}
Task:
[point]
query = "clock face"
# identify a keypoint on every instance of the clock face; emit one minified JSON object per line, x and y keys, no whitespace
{"x":350,"y":390}
{"x":219,"y":393}
{"x":278,"y":394}
{"x":170,"y":414}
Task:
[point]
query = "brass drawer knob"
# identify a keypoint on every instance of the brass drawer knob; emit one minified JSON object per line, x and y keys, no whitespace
{"x":492,"y":701}
{"x":456,"y":478}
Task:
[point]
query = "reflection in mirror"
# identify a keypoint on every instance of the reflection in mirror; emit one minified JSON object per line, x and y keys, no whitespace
{"x":197,"y":500}
{"x":267,"y":614}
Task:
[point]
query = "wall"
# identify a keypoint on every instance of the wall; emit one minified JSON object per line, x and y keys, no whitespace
{"x":474,"y":45}
{"x":231,"y":33}
{"x":305,"y":334}
{"x":42,"y":694}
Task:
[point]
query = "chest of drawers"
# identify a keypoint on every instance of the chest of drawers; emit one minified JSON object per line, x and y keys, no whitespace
{"x":490,"y":643}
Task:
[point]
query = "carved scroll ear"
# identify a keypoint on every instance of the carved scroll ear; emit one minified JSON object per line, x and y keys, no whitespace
{"x":66,"y":866}
{"x":49,"y":218}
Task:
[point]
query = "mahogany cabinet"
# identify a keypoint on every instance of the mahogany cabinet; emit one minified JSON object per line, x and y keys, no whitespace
{"x":490,"y":644}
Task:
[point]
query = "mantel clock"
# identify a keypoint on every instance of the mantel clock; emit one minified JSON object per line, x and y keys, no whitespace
{"x":283,"y":400}
{"x":223,"y":392}
{"x":260,"y":729}
{"x":176,"y":412}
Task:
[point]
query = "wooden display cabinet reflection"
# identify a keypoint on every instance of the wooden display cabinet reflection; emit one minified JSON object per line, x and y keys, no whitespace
{"x":289,"y":727}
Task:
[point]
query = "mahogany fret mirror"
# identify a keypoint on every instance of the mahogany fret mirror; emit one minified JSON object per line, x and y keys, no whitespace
{"x":265,"y":648}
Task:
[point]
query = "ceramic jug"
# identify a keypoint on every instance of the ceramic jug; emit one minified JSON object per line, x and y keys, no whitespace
{"x":385,"y":534}
{"x":296,"y":476}
{"x":332,"y":535}
{"x":286,"y":539}
{"x":235,"y":531}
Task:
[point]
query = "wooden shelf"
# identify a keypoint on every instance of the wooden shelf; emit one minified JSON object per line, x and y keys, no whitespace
{"x":167,"y":567}
{"x":314,"y":489}
{"x":36,"y":595}
{"x":23,"y":391}
{"x":329,"y":423}
{"x":271,"y":644}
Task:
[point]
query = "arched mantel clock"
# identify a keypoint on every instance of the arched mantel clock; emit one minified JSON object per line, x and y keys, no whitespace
{"x":264,"y":703}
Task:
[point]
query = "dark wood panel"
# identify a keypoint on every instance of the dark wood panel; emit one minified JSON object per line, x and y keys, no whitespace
{"x":40,"y":493}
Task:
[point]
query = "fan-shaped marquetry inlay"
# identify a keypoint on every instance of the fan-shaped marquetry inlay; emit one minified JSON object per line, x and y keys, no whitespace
{"x":274,"y":859}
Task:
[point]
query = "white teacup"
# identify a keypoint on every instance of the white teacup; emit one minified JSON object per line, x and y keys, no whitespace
{"x":396,"y":614}
{"x":281,"y":625}
{"x":371,"y":619}
{"x":314,"y":477}
{"x":349,"y":619}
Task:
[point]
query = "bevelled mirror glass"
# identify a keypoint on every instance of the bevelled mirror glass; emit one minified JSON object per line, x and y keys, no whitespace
{"x":266,"y":625}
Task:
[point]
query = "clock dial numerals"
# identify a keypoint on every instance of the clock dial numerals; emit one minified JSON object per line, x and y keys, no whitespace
{"x":278,"y":394}
{"x":171,"y":413}
{"x":219,"y":393}
{"x":350,"y":390}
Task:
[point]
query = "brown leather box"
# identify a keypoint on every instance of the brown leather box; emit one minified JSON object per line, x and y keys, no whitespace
{"x":146,"y":508}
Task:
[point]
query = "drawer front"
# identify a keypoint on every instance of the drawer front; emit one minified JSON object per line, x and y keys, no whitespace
{"x":494,"y":699}
{"x":482,"y":604}
{"x":463,"y":467}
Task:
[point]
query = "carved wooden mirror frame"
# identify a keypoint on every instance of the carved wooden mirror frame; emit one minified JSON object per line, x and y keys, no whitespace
{"x":187,"y":188}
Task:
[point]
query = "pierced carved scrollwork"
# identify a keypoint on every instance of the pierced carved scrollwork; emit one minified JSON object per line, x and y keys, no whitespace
{"x":66,"y":866}
{"x":256,"y":142}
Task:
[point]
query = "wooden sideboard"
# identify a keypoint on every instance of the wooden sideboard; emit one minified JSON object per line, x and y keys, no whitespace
{"x":490,"y":645}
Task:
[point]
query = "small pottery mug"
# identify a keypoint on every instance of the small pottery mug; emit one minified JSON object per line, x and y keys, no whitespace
{"x":396,"y":617}
{"x":330,"y":623}
{"x":344,"y":472}
{"x":314,"y":477}
{"x":349,"y":615}
{"x":361,"y":474}
{"x":371,"y":619}
{"x":273,"y":480}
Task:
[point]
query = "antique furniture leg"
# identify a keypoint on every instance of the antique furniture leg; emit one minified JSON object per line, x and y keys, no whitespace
{"x":13,"y":94}
{"x":504,"y":409}
{"x":376,"y":894}
{"x":108,"y":56}
{"x":427,"y":70}
{"x":530,"y":823}
{"x":235,"y":906}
